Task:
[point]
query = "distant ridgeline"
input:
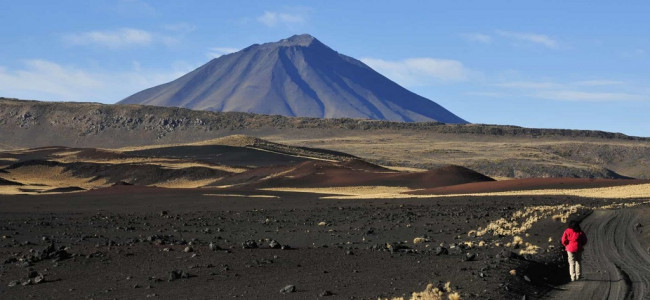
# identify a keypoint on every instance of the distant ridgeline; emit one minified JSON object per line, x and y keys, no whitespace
{"x":566,"y":153}
{"x":78,"y":120}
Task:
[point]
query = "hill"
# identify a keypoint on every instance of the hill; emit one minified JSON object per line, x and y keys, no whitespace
{"x":298,"y":76}
{"x":493,"y":150}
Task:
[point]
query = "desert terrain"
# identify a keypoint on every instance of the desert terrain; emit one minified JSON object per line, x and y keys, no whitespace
{"x":493,"y":150}
{"x":244,"y":217}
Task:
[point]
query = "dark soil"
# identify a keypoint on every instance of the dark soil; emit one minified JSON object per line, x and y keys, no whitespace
{"x":129,"y":241}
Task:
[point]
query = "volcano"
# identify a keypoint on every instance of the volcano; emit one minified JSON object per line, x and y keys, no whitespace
{"x":297,"y":77}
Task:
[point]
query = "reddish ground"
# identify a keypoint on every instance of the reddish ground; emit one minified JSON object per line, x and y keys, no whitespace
{"x":527,"y":184}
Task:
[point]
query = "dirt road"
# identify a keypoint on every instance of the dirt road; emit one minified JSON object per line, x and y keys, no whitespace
{"x":615,"y":265}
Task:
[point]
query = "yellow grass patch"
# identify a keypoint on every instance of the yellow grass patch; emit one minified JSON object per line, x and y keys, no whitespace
{"x":240,"y":195}
{"x":614,"y":192}
{"x":184,"y":183}
{"x":14,"y":190}
{"x":351,"y":192}
{"x":405,"y":169}
{"x":385,"y":192}
{"x":431,"y":293}
{"x":169,"y":163}
{"x":47,"y":177}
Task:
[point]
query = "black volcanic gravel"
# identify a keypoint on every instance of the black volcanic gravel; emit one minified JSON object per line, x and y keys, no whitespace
{"x":129,"y":242}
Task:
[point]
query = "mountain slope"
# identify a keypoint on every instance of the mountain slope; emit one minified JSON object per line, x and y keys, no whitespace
{"x":299,"y":76}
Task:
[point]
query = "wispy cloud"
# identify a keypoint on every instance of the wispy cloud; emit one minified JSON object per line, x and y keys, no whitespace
{"x":220,"y":51}
{"x":570,"y":95}
{"x":599,"y":90}
{"x":130,"y":37}
{"x":274,"y":18}
{"x":487,"y":94}
{"x":46,"y":80}
{"x":125,"y":37}
{"x":529,"y":85}
{"x":137,"y":8}
{"x":477,"y":37}
{"x":599,"y":82}
{"x":180,"y":27}
{"x":420,"y":71}
{"x":534,"y":38}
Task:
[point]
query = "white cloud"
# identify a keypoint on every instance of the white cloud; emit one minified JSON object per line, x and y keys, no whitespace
{"x":529,"y":85}
{"x":487,"y":94}
{"x":477,"y":37}
{"x":272,"y":19}
{"x":136,"y":8}
{"x":180,"y":27}
{"x":599,"y":82}
{"x":534,"y":38}
{"x":419,"y":71}
{"x":571,"y":95}
{"x":45,"y":80}
{"x":219,"y":51}
{"x":599,"y":90}
{"x":120,"y":38}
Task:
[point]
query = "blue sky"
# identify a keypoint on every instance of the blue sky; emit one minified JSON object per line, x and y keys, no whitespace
{"x":548,"y":64}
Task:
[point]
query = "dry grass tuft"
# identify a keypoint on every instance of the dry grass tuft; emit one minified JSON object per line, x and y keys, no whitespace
{"x":529,"y":249}
{"x":454,"y":296}
{"x":419,"y":240}
{"x":431,"y":292}
{"x":523,"y":220}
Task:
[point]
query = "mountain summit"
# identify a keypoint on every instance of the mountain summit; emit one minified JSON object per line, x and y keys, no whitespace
{"x":297,"y":76}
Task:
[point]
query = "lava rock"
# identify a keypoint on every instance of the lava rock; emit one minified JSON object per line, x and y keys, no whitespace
{"x":441,"y":250}
{"x":214,"y":247}
{"x":288,"y":289}
{"x":249,"y":244}
{"x":273,"y":244}
{"x":470,"y":256}
{"x":178,"y":274}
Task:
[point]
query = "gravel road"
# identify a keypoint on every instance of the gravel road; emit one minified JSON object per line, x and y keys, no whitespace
{"x":615,"y":265}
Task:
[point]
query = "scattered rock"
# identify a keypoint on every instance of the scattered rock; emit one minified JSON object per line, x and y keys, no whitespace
{"x":178,"y":274}
{"x":441,"y":250}
{"x":325,"y":294}
{"x":249,"y":244}
{"x":470,"y":256}
{"x":288,"y":289}
{"x":188,"y":249}
{"x":214,"y":247}
{"x":38,"y":279}
{"x":273,"y":244}
{"x":10,"y":260}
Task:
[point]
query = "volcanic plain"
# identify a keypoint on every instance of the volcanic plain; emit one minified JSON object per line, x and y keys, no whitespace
{"x":243,"y":217}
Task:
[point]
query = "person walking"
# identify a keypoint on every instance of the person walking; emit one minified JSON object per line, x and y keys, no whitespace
{"x":574,"y":240}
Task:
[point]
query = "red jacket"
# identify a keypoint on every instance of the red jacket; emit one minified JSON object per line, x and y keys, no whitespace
{"x":573,"y":241}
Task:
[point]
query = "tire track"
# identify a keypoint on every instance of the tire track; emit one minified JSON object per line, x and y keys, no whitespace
{"x":615,"y":266}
